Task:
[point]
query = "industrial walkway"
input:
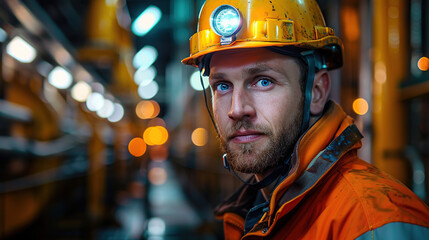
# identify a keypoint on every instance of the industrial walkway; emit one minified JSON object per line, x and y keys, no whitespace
{"x":168,"y":216}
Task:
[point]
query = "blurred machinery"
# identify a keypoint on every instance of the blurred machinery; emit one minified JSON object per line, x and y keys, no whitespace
{"x":96,"y":109}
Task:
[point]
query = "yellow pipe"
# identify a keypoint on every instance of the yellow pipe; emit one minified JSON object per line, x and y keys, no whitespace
{"x":109,"y":43}
{"x":102,"y":24}
{"x":389,"y":68}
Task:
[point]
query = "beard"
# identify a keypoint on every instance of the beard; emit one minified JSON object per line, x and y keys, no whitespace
{"x":258,"y":158}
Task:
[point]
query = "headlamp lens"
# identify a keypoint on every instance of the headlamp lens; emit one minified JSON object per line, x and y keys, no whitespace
{"x":225,"y":20}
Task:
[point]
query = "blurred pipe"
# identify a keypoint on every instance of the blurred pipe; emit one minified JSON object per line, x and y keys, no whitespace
{"x":69,"y":170}
{"x":390,"y":47}
{"x":42,"y":178}
{"x":38,"y":148}
{"x":365,"y":77}
{"x":102,"y":24}
{"x":15,"y":112}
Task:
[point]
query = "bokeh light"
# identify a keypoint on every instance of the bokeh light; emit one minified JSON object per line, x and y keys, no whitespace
{"x":81,"y":91}
{"x":360,"y":106}
{"x":118,"y":113}
{"x":423,"y":63}
{"x":149,"y":90}
{"x":155,"y":135}
{"x":107,"y":109}
{"x":195,"y":81}
{"x":158,"y":153}
{"x":98,"y":87}
{"x":156,"y":227}
{"x":95,"y":101}
{"x":157,"y":176}
{"x":60,"y":78}
{"x":147,"y":109}
{"x":146,"y":20}
{"x":21,"y":50}
{"x":137,"y":147}
{"x":199,"y":137}
{"x":144,"y":76}
{"x":145,"y":57}
{"x":156,"y":122}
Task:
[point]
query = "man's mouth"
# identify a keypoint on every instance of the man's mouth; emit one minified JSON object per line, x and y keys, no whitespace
{"x":245,"y":136}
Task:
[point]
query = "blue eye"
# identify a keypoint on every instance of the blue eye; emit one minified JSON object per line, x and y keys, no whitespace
{"x":222,"y":87}
{"x":263,"y":83}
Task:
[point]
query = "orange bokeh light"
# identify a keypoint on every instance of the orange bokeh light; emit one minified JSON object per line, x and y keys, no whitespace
{"x":360,"y":106}
{"x":158,"y":153}
{"x":157,"y":135}
{"x":156,"y":122}
{"x":147,"y":109}
{"x":199,"y":137}
{"x":157,"y":176}
{"x":137,"y":147}
{"x":423,"y":63}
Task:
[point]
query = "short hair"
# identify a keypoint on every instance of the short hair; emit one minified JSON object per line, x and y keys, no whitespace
{"x":303,"y":69}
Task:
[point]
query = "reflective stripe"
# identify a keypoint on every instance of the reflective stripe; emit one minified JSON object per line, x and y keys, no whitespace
{"x":397,"y":230}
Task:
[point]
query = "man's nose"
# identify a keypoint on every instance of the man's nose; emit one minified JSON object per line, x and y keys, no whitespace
{"x":241,"y":105}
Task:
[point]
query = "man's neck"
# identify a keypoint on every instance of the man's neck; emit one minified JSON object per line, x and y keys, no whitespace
{"x":266,"y":191}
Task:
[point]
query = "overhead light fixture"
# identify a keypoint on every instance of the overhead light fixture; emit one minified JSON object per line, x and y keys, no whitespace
{"x":226,"y":21}
{"x":60,"y":78}
{"x":145,"y":57}
{"x":21,"y":50}
{"x":146,"y":20}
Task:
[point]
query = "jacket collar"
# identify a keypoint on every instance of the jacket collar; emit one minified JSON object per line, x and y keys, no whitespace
{"x":328,"y":127}
{"x":336,"y":130}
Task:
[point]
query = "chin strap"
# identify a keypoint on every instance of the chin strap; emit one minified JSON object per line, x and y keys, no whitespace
{"x":204,"y":71}
{"x":311,"y":71}
{"x":314,"y":62}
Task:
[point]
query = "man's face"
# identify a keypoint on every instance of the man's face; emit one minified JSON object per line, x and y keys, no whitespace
{"x":257,"y":104}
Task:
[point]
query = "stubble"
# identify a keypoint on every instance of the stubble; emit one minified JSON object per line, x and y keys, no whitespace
{"x":249,"y":158}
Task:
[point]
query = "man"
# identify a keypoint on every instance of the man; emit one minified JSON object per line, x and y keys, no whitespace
{"x":268,"y":64}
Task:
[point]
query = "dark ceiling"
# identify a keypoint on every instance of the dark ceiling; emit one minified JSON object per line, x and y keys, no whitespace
{"x":69,"y":18}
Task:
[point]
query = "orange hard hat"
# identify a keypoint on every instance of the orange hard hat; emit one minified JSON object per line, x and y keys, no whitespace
{"x":232,"y":24}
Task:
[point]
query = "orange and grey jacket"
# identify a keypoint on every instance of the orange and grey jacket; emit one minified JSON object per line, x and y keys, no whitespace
{"x":330,"y":194}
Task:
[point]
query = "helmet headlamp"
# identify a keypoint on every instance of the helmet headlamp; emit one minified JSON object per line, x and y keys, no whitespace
{"x":226,"y":21}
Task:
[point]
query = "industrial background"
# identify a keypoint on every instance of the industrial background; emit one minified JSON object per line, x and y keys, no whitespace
{"x":104,"y":133}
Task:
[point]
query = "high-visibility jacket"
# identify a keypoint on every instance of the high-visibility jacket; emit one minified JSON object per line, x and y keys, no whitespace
{"x":329,"y":194}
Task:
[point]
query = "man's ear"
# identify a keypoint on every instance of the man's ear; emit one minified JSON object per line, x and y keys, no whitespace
{"x":320,"y":92}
